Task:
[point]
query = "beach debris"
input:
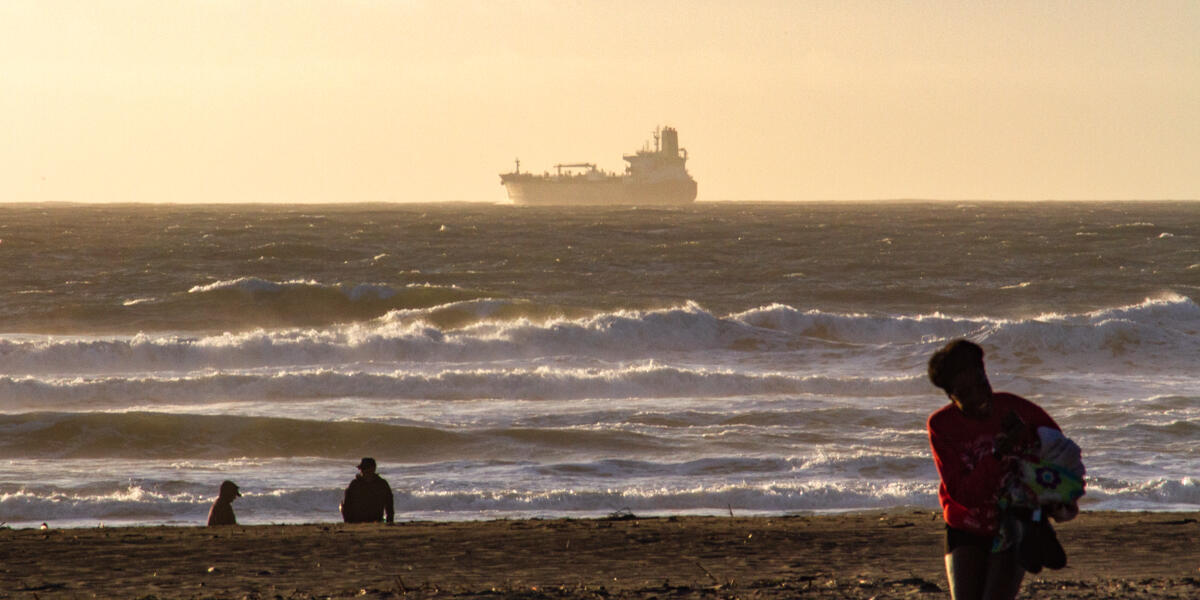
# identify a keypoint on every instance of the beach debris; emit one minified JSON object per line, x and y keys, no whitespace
{"x":923,"y":586}
{"x":621,"y":515}
{"x":45,"y":587}
{"x":1176,"y":522}
{"x":719,"y":584}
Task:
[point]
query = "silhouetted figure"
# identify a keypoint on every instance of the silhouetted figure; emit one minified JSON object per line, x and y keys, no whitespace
{"x":980,"y":441}
{"x":368,"y":497}
{"x":221,"y":512}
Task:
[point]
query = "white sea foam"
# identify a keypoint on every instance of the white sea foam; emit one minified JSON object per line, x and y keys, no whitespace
{"x":645,"y":380}
{"x":252,"y":285}
{"x":137,"y":505}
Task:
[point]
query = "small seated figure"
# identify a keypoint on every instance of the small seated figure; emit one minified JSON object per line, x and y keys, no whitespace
{"x":221,"y":512}
{"x":368,"y":498}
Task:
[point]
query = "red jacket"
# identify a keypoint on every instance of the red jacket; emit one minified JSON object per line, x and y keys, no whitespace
{"x":972,"y":478}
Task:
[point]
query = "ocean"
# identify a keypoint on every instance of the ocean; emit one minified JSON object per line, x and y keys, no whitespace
{"x":502,"y":361}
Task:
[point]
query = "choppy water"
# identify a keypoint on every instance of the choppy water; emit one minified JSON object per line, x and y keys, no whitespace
{"x":503,"y":361}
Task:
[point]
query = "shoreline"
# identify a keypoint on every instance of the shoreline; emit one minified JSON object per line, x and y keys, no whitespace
{"x":879,"y":554}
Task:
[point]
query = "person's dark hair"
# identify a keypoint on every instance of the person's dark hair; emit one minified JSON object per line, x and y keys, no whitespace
{"x":229,"y":489}
{"x":954,"y":358}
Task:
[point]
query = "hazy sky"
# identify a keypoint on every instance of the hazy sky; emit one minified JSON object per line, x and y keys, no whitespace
{"x":222,"y":100}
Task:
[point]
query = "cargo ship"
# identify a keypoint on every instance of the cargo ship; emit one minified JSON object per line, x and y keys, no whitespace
{"x":654,"y":176}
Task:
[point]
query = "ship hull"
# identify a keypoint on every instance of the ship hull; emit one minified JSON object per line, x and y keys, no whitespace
{"x":614,"y":192}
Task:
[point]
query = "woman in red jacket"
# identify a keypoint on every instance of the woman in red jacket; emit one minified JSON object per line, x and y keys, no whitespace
{"x":976,"y":440}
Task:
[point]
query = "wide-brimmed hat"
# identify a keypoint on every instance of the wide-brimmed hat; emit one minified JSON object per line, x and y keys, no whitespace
{"x":366,"y":462}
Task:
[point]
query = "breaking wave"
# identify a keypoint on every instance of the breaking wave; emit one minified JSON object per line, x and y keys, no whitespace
{"x":246,"y":303}
{"x":638,"y":381}
{"x":143,"y":503}
{"x":1160,"y":333}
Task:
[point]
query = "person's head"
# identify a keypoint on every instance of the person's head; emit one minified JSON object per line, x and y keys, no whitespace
{"x":229,"y":490}
{"x":367,"y":466}
{"x":958,"y":369}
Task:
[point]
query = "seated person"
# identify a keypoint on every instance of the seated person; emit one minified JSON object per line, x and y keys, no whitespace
{"x":368,"y":497}
{"x":221,"y":512}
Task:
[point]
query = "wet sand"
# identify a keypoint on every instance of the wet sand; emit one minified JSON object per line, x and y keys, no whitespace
{"x":896,"y":554}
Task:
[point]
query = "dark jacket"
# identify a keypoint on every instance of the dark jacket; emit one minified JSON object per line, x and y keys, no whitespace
{"x":221,"y":513}
{"x":367,"y":500}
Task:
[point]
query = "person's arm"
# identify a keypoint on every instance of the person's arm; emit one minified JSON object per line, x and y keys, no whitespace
{"x":1035,"y":416}
{"x":346,"y":497}
{"x":389,"y":506}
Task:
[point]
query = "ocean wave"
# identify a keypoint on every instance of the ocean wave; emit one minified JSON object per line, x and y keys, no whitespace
{"x":139,"y":505}
{"x":776,"y":497}
{"x":823,"y":465}
{"x":126,"y":503}
{"x":245,"y":303}
{"x":646,"y":380}
{"x":150,"y":435}
{"x":1106,"y":493}
{"x":804,"y":415}
{"x":149,"y":502}
{"x":463,"y":313}
{"x":1096,"y":329}
{"x":1155,"y":334}
{"x":259,"y":302}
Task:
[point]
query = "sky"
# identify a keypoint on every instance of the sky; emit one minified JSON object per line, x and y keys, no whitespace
{"x":415,"y":100}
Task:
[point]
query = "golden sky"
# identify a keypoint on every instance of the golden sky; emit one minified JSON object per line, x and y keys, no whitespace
{"x":415,"y":100}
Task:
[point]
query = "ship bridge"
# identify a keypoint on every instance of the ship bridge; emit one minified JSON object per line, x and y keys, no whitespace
{"x":666,"y":162}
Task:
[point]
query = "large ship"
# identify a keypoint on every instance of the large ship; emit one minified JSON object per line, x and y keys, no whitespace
{"x":653,"y":176}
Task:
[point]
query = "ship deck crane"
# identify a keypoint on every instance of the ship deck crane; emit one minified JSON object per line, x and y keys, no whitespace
{"x":560,"y":167}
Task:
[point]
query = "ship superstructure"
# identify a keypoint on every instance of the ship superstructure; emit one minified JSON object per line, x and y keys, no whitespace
{"x":653,"y":176}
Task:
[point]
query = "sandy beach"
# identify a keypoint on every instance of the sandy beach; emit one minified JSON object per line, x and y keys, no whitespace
{"x":862,"y":555}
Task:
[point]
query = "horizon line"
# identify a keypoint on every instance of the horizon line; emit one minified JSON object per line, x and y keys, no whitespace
{"x":504,"y":203}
